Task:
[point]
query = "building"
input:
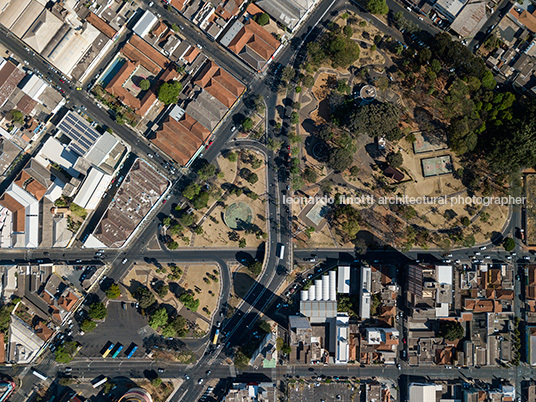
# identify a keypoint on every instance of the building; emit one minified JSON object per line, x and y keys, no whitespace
{"x":377,"y":392}
{"x":93,"y":189}
{"x":10,"y":77}
{"x":23,"y":343}
{"x":364,"y":292}
{"x":251,"y":42}
{"x":300,"y":332}
{"x":379,"y":345}
{"x":145,"y":24}
{"x":450,"y":8}
{"x":319,"y":302}
{"x":343,"y":279}
{"x":288,"y":12}
{"x":136,"y":395}
{"x":252,"y":391}
{"x":141,"y":189}
{"x":180,"y":136}
{"x":341,"y":338}
{"x":422,"y":392}
{"x":470,"y":20}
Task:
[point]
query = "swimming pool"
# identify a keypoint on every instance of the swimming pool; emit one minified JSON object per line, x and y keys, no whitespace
{"x":112,"y":71}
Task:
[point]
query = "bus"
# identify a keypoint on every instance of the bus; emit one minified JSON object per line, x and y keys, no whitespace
{"x":98,"y":381}
{"x":39,"y":375}
{"x":108,"y":349}
{"x":117,"y":350}
{"x":131,"y":350}
{"x":216,"y":335}
{"x":281,"y":252}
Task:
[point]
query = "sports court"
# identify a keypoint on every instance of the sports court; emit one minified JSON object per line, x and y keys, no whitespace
{"x":436,"y":166}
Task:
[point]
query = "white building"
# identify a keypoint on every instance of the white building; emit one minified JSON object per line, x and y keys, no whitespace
{"x":92,"y":190}
{"x":342,"y":347}
{"x":422,"y":392}
{"x":364,"y":292}
{"x":343,"y":284}
{"x":145,"y":24}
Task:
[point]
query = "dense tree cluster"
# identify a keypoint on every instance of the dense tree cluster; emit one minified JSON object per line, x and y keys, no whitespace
{"x":334,"y":46}
{"x":375,"y":119}
{"x":168,"y":92}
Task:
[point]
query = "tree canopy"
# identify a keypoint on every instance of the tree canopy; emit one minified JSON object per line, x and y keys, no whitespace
{"x":262,"y":19}
{"x":169,"y":92}
{"x":144,"y":296}
{"x":159,"y":318}
{"x":113,"y":292}
{"x":145,"y":84}
{"x":375,"y":119}
{"x":377,"y":7}
{"x":451,"y":330}
{"x":98,"y":311}
{"x":335,"y":47}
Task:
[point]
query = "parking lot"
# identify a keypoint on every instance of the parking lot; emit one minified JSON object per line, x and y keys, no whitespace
{"x":123,"y":325}
{"x":312,"y":391}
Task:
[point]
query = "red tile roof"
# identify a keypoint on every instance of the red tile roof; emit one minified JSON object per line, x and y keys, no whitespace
{"x":181,"y":139}
{"x":191,"y":54}
{"x":255,"y":37}
{"x":18,"y":211}
{"x":149,"y":51}
{"x":101,"y":25}
{"x":219,"y":83}
{"x":28,"y":183}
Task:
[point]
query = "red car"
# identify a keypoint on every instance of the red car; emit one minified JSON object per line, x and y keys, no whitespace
{"x":209,"y":144}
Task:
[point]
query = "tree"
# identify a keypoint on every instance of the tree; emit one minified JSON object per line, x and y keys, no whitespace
{"x":255,"y":267}
{"x":395,"y":159}
{"x":488,"y":81}
{"x":113,"y":292}
{"x":262,"y":19}
{"x":232,"y":157}
{"x":377,"y":7}
{"x":509,"y":244}
{"x":187,"y":219}
{"x":288,"y":73}
{"x":375,"y":119}
{"x":247,"y":124}
{"x":242,"y":243}
{"x":158,"y":318}
{"x":145,"y":84}
{"x":166,"y":221}
{"x":168,"y":92}
{"x":189,"y":301}
{"x":201,"y":201}
{"x":172,"y":245}
{"x":348,"y":31}
{"x":144,"y":296}
{"x":451,"y":330}
{"x":175,"y":27}
{"x":340,"y":159}
{"x":294,"y":118}
{"x":163,"y":291}
{"x":308,"y":81}
{"x":156,"y":382}
{"x":88,"y":325}
{"x":191,"y":190}
{"x":208,"y":170}
{"x":310,"y":175}
{"x":466,"y":221}
{"x":15,"y":116}
{"x":98,"y":311}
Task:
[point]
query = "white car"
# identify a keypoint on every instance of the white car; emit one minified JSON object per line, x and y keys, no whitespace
{"x":124,"y":261}
{"x":483,"y":248}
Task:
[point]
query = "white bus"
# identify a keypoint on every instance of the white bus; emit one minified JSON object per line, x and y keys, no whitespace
{"x":98,"y":381}
{"x":39,"y":375}
{"x":281,"y":252}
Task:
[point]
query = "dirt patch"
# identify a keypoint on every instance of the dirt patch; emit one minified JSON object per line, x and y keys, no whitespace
{"x":159,"y":393}
{"x":215,"y":232}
